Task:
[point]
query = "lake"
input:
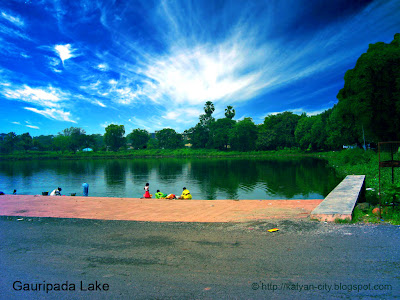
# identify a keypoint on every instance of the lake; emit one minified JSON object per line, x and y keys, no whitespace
{"x":206,"y":178}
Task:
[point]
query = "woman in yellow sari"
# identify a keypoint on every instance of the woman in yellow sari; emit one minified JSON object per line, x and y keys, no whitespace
{"x":186,"y":194}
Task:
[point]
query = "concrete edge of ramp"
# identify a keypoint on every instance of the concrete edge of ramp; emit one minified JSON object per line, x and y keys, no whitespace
{"x":340,"y":202}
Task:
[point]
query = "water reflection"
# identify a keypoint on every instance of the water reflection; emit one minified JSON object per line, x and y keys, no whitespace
{"x":227,"y":178}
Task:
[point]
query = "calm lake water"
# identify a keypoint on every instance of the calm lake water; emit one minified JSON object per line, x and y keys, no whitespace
{"x":206,"y":178}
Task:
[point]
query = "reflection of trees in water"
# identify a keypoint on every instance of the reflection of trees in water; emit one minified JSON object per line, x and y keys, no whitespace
{"x":165,"y":169}
{"x":60,"y":167}
{"x":8,"y":169}
{"x":232,"y":177}
{"x":168,"y":169}
{"x":141,"y":169}
{"x":115,"y":172}
{"x":297,"y":176}
{"x":224,"y":175}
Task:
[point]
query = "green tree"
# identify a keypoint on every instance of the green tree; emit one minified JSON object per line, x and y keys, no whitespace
{"x":43,"y":142}
{"x":229,"y":112}
{"x":61,"y":143}
{"x":199,"y":135}
{"x":153,"y":144}
{"x":138,"y":138}
{"x":10,"y":142}
{"x":98,"y":142}
{"x":114,"y":136}
{"x":220,"y":131}
{"x":26,"y":141}
{"x":243,"y":135}
{"x":371,"y":93}
{"x":207,"y":118}
{"x":77,"y":138}
{"x":277,"y":131}
{"x":340,"y":132}
{"x":169,"y":139}
{"x":310,"y":133}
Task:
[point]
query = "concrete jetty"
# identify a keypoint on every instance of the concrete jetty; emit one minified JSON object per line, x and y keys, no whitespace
{"x":340,"y":202}
{"x":156,"y":210}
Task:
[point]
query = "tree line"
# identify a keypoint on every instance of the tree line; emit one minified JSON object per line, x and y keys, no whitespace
{"x":368,"y":109}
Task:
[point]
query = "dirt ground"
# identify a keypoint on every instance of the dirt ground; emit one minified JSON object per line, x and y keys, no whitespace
{"x":176,"y":260}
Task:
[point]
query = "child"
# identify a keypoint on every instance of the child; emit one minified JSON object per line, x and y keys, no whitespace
{"x":147,"y":192}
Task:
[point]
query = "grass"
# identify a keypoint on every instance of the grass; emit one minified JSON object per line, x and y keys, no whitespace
{"x":185,"y":152}
{"x":360,"y":162}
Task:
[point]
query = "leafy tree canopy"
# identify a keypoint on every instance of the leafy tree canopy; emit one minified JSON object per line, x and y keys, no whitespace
{"x":229,"y":112}
{"x":114,"y":136}
{"x":243,"y":135}
{"x":278,"y":131}
{"x":371,"y":93}
{"x":169,"y":139}
{"x":138,"y":138}
{"x":220,"y":131}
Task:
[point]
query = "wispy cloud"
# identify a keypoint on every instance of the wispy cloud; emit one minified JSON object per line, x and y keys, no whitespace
{"x":99,"y":103}
{"x":17,"y":21}
{"x":55,"y":114}
{"x":32,"y":126}
{"x":46,"y":97}
{"x":157,"y":62}
{"x":182,"y":115}
{"x":16,"y":123}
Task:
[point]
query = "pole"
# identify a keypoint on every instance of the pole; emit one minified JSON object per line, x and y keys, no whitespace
{"x":365,"y":148}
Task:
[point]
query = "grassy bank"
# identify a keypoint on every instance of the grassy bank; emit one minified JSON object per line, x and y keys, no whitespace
{"x":182,"y":153}
{"x":360,"y":162}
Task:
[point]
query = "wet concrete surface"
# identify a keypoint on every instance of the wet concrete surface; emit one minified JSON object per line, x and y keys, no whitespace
{"x":153,"y":260}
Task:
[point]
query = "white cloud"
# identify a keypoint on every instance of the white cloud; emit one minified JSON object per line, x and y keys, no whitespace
{"x":65,"y":52}
{"x":55,"y":114}
{"x":99,"y":103}
{"x":206,"y":73}
{"x":15,"y":20}
{"x":49,"y":97}
{"x":105,"y":124}
{"x":102,"y":67}
{"x":16,"y":123}
{"x":183,"y":115}
{"x":32,"y":126}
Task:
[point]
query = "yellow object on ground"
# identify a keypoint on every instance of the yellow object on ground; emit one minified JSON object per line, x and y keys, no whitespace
{"x":273,"y":230}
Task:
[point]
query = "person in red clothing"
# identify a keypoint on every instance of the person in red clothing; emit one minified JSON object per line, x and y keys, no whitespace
{"x":146,"y":191}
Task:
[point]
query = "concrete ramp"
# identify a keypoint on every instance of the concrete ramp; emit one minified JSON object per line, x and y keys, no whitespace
{"x":339,"y":204}
{"x":155,"y":210}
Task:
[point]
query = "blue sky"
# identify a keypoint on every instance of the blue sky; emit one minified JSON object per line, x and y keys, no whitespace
{"x":153,"y":64}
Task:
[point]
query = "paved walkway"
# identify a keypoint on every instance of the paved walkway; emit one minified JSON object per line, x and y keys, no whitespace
{"x":158,"y":210}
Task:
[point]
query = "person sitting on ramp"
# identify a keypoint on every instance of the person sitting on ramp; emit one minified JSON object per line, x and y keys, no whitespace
{"x":56,"y":192}
{"x":160,"y":195}
{"x":185,"y":194}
